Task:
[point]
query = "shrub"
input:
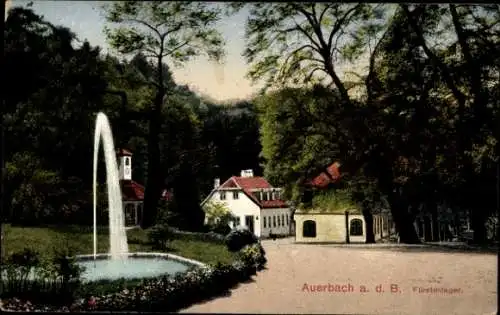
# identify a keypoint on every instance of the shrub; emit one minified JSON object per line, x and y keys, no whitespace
{"x":221,"y":228}
{"x":171,"y":293}
{"x":18,"y":268}
{"x":159,"y":236}
{"x":53,"y":283}
{"x":238,"y":239}
{"x":218,"y":217}
{"x":254,"y":256}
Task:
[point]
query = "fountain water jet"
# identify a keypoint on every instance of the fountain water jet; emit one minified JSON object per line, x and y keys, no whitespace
{"x":117,"y":235}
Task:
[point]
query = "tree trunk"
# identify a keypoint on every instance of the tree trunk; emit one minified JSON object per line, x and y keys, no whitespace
{"x":432,"y":208}
{"x":367,"y":214}
{"x":153,"y":183}
{"x":478,"y":220}
{"x":399,"y":207}
{"x":404,"y":224}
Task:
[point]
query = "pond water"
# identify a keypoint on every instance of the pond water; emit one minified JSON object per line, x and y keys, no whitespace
{"x":140,"y":267}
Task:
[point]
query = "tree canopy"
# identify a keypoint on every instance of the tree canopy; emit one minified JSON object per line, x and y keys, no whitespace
{"x":404,"y":97}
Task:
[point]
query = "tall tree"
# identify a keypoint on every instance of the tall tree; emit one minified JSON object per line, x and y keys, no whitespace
{"x":330,"y":34}
{"x":173,"y":31}
{"x":62,"y":91}
{"x":468,"y":77}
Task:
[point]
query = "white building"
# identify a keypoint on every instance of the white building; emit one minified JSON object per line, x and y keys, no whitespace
{"x":255,"y":203}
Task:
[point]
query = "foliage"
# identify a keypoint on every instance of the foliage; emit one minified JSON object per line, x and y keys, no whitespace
{"x":160,"y":31}
{"x":254,"y":255}
{"x":218,"y":217}
{"x":296,"y":131}
{"x":50,"y":282}
{"x":419,"y":130}
{"x":169,"y":293}
{"x":173,"y":293}
{"x":334,"y":201}
{"x":290,"y":43}
{"x":65,"y":84}
{"x":159,"y":236}
{"x":104,"y":287}
{"x":180,"y":31}
{"x":239,"y":238}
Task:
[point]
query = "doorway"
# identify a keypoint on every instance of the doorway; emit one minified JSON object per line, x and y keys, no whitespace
{"x":249,"y":222}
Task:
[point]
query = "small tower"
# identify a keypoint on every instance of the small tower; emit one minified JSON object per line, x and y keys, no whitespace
{"x":125,"y":170}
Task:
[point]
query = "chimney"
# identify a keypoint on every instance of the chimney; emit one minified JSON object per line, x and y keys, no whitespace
{"x":247,"y":173}
{"x":216,"y":183}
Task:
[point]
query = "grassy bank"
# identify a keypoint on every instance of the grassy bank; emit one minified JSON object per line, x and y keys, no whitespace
{"x":79,"y":240}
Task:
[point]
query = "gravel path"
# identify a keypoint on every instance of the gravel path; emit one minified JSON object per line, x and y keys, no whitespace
{"x":281,"y":288}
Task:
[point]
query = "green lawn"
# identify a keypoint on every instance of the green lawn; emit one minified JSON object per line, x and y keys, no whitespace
{"x":79,"y":240}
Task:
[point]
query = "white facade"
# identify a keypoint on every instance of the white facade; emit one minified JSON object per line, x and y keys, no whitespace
{"x":278,"y":221}
{"x":329,"y":227}
{"x":132,"y":209}
{"x":248,"y":211}
{"x":240,"y":206}
{"x":125,"y":170}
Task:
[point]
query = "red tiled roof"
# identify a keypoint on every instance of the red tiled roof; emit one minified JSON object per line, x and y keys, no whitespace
{"x":132,"y":191}
{"x":321,"y":181}
{"x":333,"y":170}
{"x":252,"y":182}
{"x":123,"y":152}
{"x":249,"y":183}
{"x":331,"y":175}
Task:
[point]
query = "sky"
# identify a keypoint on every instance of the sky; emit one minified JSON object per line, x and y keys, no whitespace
{"x":220,"y":82}
{"x":226,"y":82}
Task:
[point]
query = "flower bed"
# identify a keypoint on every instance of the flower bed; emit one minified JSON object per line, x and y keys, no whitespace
{"x":167,"y":293}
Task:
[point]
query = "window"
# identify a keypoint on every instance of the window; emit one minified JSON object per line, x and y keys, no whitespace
{"x":222,"y":195}
{"x":127,"y":161}
{"x":279,"y":221}
{"x":266,"y":196}
{"x":283,"y":219}
{"x":309,"y":228}
{"x":265,"y":222}
{"x":274,"y":221}
{"x":356,"y":228}
{"x":236,"y":194}
{"x":287,"y":221}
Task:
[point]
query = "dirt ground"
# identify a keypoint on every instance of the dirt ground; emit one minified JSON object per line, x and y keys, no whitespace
{"x":296,"y":272}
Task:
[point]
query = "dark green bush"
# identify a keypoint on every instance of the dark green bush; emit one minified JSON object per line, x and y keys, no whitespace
{"x":104,"y":287}
{"x":238,"y":239}
{"x":159,"y":236}
{"x":220,"y":228}
{"x":254,"y":256}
